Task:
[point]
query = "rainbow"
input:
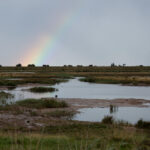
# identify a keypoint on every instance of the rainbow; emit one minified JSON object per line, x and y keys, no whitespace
{"x":44,"y":46}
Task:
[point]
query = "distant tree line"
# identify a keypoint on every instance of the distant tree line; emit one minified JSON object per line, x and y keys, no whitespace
{"x":78,"y":66}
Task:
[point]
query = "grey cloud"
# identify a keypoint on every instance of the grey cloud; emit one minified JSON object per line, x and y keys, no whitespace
{"x":101,"y":31}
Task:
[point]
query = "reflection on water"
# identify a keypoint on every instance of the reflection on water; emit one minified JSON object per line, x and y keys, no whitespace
{"x":129,"y":114}
{"x":113,"y":109}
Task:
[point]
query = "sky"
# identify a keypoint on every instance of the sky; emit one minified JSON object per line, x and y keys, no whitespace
{"x":76,"y":32}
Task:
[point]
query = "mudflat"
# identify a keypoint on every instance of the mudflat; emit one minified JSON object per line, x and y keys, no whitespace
{"x":91,"y":103}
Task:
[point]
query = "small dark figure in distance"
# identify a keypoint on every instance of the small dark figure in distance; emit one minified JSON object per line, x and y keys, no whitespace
{"x":56,"y":96}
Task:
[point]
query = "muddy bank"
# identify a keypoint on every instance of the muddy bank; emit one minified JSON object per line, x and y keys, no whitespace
{"x":91,"y":103}
{"x":29,"y":118}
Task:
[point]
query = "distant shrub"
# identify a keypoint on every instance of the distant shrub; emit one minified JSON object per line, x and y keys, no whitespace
{"x":90,"y":65}
{"x":113,"y":65}
{"x":79,"y":66}
{"x":45,"y":66}
{"x":70,"y":66}
{"x":18,"y":65}
{"x":31,"y":65}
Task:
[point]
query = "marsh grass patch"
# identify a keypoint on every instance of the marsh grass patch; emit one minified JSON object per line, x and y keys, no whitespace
{"x":42,"y":103}
{"x":42,"y":89}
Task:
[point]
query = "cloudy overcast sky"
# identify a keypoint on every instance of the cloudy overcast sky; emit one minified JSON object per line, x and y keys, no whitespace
{"x":84,"y":32}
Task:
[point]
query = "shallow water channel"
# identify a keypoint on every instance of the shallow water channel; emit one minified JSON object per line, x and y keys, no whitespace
{"x":76,"y":89}
{"x":127,"y":114}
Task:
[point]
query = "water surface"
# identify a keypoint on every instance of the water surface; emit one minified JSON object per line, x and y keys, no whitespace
{"x":76,"y":89}
{"x":128,"y":114}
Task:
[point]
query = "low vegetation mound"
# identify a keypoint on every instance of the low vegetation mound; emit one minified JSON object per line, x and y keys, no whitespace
{"x":124,"y":80}
{"x":62,"y":114}
{"x":108,"y":120}
{"x":42,"y":89}
{"x":42,"y":103}
{"x":5,"y":95}
{"x":143,"y":124}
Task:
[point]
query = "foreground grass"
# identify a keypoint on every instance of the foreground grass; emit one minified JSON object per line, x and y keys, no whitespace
{"x":60,"y":134}
{"x":77,"y":136}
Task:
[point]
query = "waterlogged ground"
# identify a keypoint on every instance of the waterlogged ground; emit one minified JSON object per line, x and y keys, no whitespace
{"x":127,"y":114}
{"x":22,"y":92}
{"x":76,"y":89}
{"x":78,"y":92}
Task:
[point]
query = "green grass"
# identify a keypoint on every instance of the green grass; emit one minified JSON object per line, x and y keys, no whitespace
{"x":72,"y":135}
{"x":42,"y":89}
{"x":34,"y":80}
{"x":77,"y":136}
{"x":104,"y":81}
{"x":133,"y":75}
{"x":42,"y":103}
{"x":116,"y":80}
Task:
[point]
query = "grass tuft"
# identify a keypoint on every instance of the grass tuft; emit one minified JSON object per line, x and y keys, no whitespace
{"x":108,"y":120}
{"x":143,"y":124}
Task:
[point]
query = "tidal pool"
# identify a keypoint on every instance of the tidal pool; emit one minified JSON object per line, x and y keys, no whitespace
{"x":76,"y":89}
{"x":127,"y":114}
